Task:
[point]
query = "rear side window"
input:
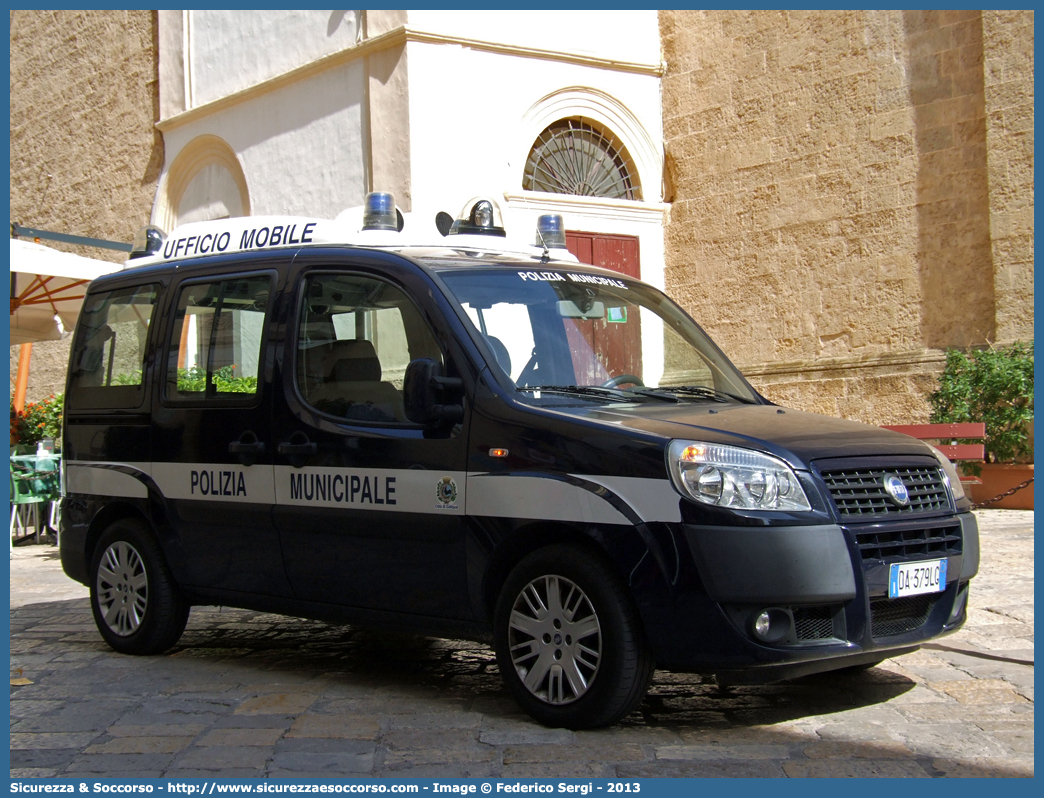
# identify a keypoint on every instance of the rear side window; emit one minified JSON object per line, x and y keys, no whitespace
{"x":108,"y":360}
{"x":216,"y":344}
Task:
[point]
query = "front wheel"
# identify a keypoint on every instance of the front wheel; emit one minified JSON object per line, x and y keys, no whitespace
{"x":569,"y":643}
{"x":136,"y":603}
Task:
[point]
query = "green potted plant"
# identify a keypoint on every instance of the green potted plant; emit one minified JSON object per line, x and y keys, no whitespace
{"x":993,"y":386}
{"x":36,"y":421}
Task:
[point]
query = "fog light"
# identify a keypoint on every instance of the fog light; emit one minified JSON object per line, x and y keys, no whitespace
{"x":772,"y":625}
{"x":763,"y":624}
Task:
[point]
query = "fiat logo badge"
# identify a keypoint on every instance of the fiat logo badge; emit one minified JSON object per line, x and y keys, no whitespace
{"x":896,"y":490}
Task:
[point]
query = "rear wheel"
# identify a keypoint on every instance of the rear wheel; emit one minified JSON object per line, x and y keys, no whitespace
{"x":136,"y":603}
{"x":569,"y":643}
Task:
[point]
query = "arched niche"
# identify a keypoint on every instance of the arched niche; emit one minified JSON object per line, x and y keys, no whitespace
{"x":205,"y":181}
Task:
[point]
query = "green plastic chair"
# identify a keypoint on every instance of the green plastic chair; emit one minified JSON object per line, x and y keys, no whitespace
{"x":30,"y":488}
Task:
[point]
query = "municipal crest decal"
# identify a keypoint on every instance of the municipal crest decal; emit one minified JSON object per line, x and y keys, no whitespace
{"x":446,"y":494}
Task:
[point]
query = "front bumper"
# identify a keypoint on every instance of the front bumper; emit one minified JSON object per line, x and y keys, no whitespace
{"x":826,"y":587}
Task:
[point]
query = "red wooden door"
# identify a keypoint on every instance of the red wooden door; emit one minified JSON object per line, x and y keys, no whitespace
{"x":602,"y":349}
{"x":619,"y":253}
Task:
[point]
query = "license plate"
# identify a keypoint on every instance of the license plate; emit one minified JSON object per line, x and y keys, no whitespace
{"x":915,"y":578}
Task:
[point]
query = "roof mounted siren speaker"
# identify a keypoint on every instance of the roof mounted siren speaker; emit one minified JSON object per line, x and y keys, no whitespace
{"x":147,"y":241}
{"x":480,"y":216}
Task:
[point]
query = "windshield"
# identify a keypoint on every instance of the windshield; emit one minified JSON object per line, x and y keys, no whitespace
{"x":592,"y":337}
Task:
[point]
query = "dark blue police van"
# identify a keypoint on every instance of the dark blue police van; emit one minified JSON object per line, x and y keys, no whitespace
{"x":467,"y":437}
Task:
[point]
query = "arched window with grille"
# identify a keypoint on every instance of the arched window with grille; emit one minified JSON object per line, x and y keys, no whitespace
{"x":578,"y":157}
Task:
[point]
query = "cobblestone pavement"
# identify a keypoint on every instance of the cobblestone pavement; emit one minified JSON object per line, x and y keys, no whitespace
{"x":251,"y":694}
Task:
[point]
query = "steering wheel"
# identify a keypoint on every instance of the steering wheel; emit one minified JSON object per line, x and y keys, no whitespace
{"x":624,"y":379}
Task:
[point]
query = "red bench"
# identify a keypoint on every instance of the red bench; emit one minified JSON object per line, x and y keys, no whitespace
{"x":937,"y":433}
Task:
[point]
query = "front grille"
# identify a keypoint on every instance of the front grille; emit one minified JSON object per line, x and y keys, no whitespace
{"x":884,"y":543}
{"x":860,"y":491}
{"x":813,"y":623}
{"x":896,"y":616}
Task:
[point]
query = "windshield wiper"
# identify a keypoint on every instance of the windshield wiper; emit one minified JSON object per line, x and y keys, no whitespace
{"x":663,"y":393}
{"x":580,"y":390}
{"x":703,"y":392}
{"x":654,"y":393}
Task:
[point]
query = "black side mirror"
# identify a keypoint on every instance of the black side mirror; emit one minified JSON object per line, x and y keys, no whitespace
{"x":428,"y":397}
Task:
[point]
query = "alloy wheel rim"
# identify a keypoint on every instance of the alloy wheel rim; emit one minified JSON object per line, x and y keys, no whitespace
{"x":122,"y":588}
{"x":555,"y":639}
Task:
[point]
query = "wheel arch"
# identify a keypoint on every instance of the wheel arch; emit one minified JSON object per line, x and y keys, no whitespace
{"x":106,"y":517}
{"x":526,"y":539}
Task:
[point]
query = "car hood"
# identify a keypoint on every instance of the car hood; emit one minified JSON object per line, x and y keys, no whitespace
{"x":793,"y":435}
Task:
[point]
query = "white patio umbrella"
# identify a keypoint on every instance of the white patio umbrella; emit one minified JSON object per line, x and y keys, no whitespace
{"x":46,"y":284}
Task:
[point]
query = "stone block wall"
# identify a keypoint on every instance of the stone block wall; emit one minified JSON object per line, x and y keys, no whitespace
{"x":834,"y":221}
{"x":85,"y":156}
{"x":1008,"y":74}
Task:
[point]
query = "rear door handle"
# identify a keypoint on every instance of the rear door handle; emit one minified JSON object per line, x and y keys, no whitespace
{"x":247,"y":448}
{"x":239,"y":447}
{"x":298,"y":448}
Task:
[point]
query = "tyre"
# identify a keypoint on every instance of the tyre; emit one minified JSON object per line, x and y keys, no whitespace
{"x":136,"y":603}
{"x":569,"y":644}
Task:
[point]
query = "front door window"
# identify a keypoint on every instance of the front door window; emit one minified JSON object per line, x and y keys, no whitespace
{"x":356,"y":335}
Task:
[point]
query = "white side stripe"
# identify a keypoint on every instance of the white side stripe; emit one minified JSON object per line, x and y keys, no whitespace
{"x":95,"y":481}
{"x":222,"y":482}
{"x":517,"y":496}
{"x":651,"y":499}
{"x":400,"y":490}
{"x":396,"y":490}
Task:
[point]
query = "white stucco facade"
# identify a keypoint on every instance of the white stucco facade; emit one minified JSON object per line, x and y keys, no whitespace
{"x":232,"y":50}
{"x":300,"y":145}
{"x":632,"y":36}
{"x":317,"y":108}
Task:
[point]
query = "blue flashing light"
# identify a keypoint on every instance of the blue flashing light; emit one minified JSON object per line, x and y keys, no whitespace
{"x":551,"y":231}
{"x":379,"y":212}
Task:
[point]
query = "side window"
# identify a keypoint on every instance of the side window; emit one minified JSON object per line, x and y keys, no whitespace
{"x":215,"y":348}
{"x":355,"y":337}
{"x":108,"y":359}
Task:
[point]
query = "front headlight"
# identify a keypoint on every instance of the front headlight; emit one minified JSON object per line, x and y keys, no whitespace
{"x":950,"y":473}
{"x":728,"y":476}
